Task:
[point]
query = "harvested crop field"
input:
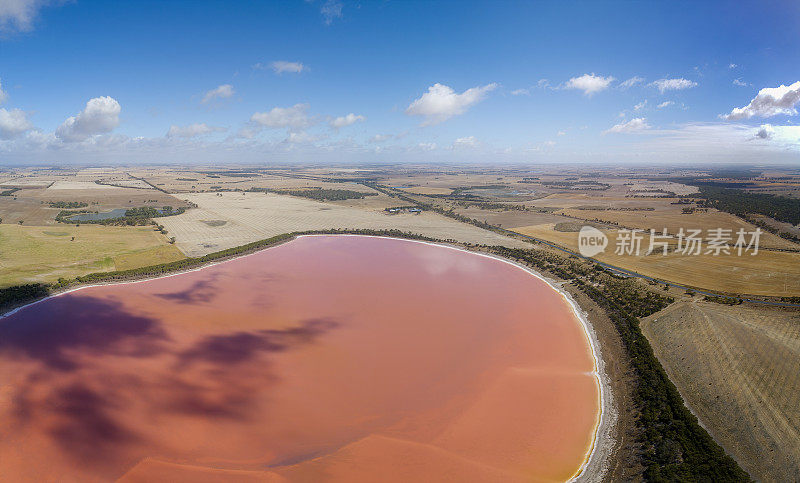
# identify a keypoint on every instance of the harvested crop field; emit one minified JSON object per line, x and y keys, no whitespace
{"x":738,"y":368}
{"x":510,"y":218}
{"x":256,"y":216}
{"x":46,"y":253}
{"x":673,"y":220}
{"x":773,"y":273}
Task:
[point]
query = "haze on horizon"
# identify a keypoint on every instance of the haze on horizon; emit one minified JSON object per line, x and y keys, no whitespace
{"x":342,"y":81}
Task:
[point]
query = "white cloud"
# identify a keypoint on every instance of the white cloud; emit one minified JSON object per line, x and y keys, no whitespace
{"x":294,"y":118}
{"x":3,"y":94}
{"x":441,"y":102}
{"x":331,"y":10}
{"x":19,"y":15}
{"x":665,"y":104}
{"x":427,"y":146}
{"x":637,"y":124}
{"x":465,"y":142}
{"x":222,"y":92}
{"x":589,"y":83}
{"x":379,"y":138}
{"x":561,"y":133}
{"x":726,"y":142}
{"x":631,"y":82}
{"x":788,"y":136}
{"x":192,"y":130}
{"x":732,"y":65}
{"x":678,"y":84}
{"x":543,"y":83}
{"x":281,"y":66}
{"x":343,"y":121}
{"x":520,"y":92}
{"x":101,"y":115}
{"x":640,"y":106}
{"x":13,"y":123}
{"x":740,"y":83}
{"x":300,"y":138}
{"x":770,"y":101}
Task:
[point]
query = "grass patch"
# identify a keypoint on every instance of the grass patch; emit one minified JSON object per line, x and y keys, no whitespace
{"x":30,"y":254}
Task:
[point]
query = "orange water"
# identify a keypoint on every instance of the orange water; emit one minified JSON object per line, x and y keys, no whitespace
{"x":327,"y":358}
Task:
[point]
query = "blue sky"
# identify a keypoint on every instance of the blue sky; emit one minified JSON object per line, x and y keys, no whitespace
{"x":348,"y":81}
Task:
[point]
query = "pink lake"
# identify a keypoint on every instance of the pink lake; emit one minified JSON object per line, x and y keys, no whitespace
{"x":328,"y":358}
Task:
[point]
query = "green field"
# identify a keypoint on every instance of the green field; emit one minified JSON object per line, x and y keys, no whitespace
{"x":46,"y":253}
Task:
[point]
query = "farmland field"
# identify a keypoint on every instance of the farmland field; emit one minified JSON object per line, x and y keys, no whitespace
{"x":739,"y":370}
{"x":767,"y":273}
{"x":46,"y":253}
{"x":255,"y":216}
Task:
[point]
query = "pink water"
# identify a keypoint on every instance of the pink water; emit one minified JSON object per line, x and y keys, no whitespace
{"x":334,"y":358}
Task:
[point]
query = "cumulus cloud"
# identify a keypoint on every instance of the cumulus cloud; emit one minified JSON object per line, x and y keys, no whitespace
{"x":465,"y":142}
{"x":222,"y":92}
{"x":678,"y":84}
{"x":665,"y":104}
{"x":331,"y":10}
{"x":3,"y":94}
{"x":343,"y":121}
{"x":441,"y":102}
{"x":631,"y":82}
{"x":281,"y":66}
{"x":589,"y":83}
{"x":13,"y":123}
{"x":770,"y":101}
{"x":294,"y":118}
{"x":101,"y":115}
{"x":637,"y":124}
{"x":192,"y":130}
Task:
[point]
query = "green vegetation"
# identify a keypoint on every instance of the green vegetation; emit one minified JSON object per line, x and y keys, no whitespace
{"x":20,"y":294}
{"x":741,"y":202}
{"x":321,"y":194}
{"x":590,"y":185}
{"x":722,"y":300}
{"x":68,"y":204}
{"x":9,"y":192}
{"x":133,"y":216}
{"x":488,"y":205}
